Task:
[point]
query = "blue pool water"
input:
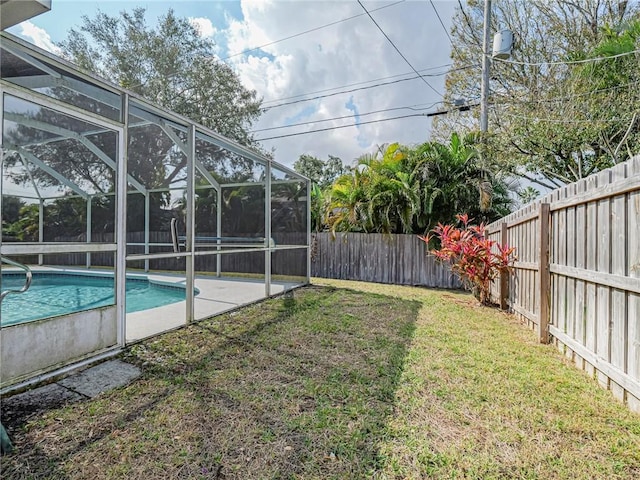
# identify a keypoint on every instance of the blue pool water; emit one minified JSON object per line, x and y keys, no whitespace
{"x":53,"y":294}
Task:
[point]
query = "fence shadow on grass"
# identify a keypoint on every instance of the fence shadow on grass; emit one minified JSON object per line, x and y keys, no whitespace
{"x":289,"y":388}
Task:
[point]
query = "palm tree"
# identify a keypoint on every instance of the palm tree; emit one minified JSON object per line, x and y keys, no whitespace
{"x":528,"y":195}
{"x":394,"y":194}
{"x":401,"y":189}
{"x":453,"y":180}
{"x":347,"y":209}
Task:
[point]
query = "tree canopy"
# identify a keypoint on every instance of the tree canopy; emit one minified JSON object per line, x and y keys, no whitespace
{"x":403,"y":189}
{"x":170,"y":64}
{"x":321,"y":173}
{"x":556,"y":114}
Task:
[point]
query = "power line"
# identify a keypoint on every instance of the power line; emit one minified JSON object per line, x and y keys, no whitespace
{"x":342,"y":92}
{"x":443,"y":26}
{"x":376,"y":80}
{"x":361,"y":88}
{"x":567,"y":97}
{"x":568,"y":62}
{"x":430,"y":114}
{"x":306,"y":31}
{"x":560,"y":120}
{"x":411,"y":107}
{"x":396,"y":48}
{"x":342,"y":126}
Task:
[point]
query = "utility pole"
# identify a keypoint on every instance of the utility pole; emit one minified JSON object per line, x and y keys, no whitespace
{"x":484,"y":87}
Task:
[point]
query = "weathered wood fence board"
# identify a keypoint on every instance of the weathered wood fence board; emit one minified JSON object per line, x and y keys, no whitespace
{"x":591,"y":276}
{"x":393,"y":259}
{"x":633,"y":313}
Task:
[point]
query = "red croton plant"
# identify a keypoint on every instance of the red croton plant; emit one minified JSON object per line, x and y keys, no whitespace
{"x":473,"y":257}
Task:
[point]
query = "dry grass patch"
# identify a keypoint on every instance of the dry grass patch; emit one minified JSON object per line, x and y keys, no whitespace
{"x":289,"y":388}
{"x":480,"y":398}
{"x":345,"y":381}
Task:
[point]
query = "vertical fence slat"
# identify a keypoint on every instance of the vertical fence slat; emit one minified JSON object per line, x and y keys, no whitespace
{"x":618,"y":267}
{"x":528,"y":288}
{"x":571,"y":262}
{"x":591,"y":261}
{"x":553,"y":258}
{"x":543,"y":272}
{"x":633,"y":313}
{"x":533,"y":285}
{"x":561,"y":320}
{"x":504,"y":276}
{"x":603,"y":293}
{"x":580,"y":314}
{"x":513,"y":279}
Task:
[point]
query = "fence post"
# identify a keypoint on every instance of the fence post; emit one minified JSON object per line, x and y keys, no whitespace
{"x":504,"y":275}
{"x":543,"y":273}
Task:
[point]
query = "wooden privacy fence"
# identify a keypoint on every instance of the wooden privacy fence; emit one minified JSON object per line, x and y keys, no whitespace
{"x":374,"y":257}
{"x":291,"y":262}
{"x":577,"y":276}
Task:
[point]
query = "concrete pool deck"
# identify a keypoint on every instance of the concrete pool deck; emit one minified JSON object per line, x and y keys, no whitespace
{"x":216,"y":295}
{"x":79,"y":386}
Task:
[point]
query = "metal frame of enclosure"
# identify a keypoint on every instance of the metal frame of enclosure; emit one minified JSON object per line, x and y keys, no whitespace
{"x":142,"y":181}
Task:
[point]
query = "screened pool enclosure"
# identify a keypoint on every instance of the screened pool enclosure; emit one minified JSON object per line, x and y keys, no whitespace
{"x":132,"y":219}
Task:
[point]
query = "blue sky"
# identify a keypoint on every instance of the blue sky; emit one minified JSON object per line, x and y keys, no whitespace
{"x":65,"y":14}
{"x":309,"y":49}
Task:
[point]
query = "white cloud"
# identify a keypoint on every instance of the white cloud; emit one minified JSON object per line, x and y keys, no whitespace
{"x":38,"y":36}
{"x":204,"y":26}
{"x":339,"y":55}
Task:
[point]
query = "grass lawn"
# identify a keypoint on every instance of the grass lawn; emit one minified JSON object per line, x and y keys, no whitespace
{"x":345,"y":380}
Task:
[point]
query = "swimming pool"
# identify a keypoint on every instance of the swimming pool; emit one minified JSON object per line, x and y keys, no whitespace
{"x":58,"y":293}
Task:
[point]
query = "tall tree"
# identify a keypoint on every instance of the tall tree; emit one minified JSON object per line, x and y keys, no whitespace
{"x":170,"y":64}
{"x":311,"y":167}
{"x":613,"y":86}
{"x":393,"y":198}
{"x":320,"y":172}
{"x":347,"y":208}
{"x":552,"y":121}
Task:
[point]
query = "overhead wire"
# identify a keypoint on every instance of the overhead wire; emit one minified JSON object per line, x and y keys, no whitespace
{"x":376,"y":80}
{"x":567,"y":62}
{"x":397,"y":49}
{"x":566,"y":120}
{"x":357,"y":124}
{"x":307,"y":31}
{"x":443,"y":26}
{"x":341,"y":126}
{"x":410,"y":107}
{"x":317,"y":97}
{"x":570,"y":97}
